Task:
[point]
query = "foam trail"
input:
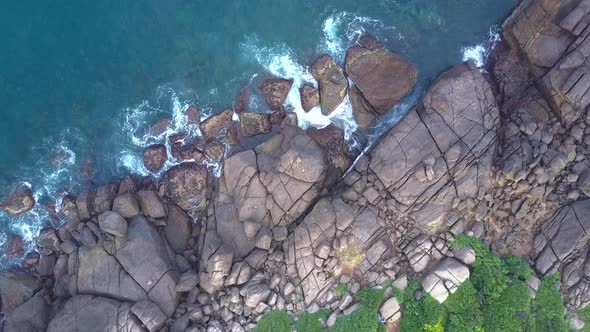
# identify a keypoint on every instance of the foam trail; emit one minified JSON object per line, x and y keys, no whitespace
{"x":480,"y":52}
{"x":280,"y":61}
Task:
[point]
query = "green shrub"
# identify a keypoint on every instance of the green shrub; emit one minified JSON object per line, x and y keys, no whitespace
{"x":464,"y":310}
{"x":420,"y":315}
{"x":274,"y":321}
{"x":548,"y":309}
{"x":365,"y":318}
{"x":307,"y":322}
{"x":341,"y":289}
{"x":518,"y":267}
{"x":584,"y":315}
{"x":510,"y":311}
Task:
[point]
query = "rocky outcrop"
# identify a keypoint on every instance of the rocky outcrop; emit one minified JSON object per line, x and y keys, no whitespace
{"x":154,"y":157}
{"x":255,"y":123}
{"x":383,"y":77}
{"x":333,"y":84}
{"x":19,"y":201}
{"x":186,"y":185}
{"x":310,"y":97}
{"x":443,"y":149}
{"x":269,"y":186}
{"x":275,"y":91}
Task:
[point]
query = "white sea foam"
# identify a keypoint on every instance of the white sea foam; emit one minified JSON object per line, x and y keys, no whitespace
{"x":480,"y":52}
{"x":281,"y":61}
{"x":343,"y":29}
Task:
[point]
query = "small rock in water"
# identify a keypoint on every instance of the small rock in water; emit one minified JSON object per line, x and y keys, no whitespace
{"x":19,"y":201}
{"x":154,"y":157}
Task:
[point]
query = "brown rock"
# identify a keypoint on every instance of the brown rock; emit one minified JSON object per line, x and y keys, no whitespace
{"x":160,"y":127}
{"x":186,"y":185}
{"x":16,"y":246}
{"x":255,"y":123}
{"x":154,"y":157}
{"x":187,"y":151}
{"x":275,"y":91}
{"x":232,"y":136}
{"x":31,"y":259}
{"x":216,"y":124}
{"x":19,"y":201}
{"x":361,"y":109}
{"x":277,"y":117}
{"x":310,"y":97}
{"x":193,"y":115}
{"x":215,"y":150}
{"x":333,"y":83}
{"x":383,"y":77}
{"x":241,"y":104}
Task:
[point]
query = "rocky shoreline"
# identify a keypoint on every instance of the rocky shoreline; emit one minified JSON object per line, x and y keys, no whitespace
{"x":501,"y":155}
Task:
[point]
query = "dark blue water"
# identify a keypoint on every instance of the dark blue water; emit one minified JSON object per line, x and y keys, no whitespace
{"x":81,"y":81}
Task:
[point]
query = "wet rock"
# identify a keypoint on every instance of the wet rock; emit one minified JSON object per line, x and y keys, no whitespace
{"x":186,"y":185}
{"x":159,"y":127}
{"x":154,"y":157}
{"x":19,"y":201}
{"x":215,"y":125}
{"x":310,"y":97}
{"x":361,"y":109}
{"x":48,"y":240}
{"x":241,"y":104}
{"x":112,"y":223}
{"x":15,"y":246}
{"x":275,"y":91}
{"x":332,"y":82}
{"x":126,"y":205}
{"x":193,"y":115}
{"x":214,"y":150}
{"x":382,"y":77}
{"x":254,"y":123}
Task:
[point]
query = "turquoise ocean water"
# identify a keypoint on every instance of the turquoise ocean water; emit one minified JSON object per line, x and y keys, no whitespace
{"x":81,"y":81}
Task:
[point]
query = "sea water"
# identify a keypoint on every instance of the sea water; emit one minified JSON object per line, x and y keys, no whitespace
{"x":81,"y":82}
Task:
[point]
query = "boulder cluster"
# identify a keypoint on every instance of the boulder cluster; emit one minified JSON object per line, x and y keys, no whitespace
{"x":501,"y":155}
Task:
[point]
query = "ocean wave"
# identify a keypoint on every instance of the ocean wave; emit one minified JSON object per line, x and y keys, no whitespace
{"x":281,"y":61}
{"x":343,"y":29}
{"x":479,"y":53}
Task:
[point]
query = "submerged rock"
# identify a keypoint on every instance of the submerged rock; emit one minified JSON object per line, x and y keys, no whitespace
{"x":19,"y":201}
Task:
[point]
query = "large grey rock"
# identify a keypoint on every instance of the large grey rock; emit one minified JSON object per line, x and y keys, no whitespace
{"x":178,"y":228}
{"x":126,"y":205}
{"x":31,"y":316}
{"x":94,"y":314}
{"x":112,"y":223}
{"x":151,"y":204}
{"x":269,"y":187}
{"x":441,"y":150}
{"x":16,"y":288}
{"x":149,"y":314}
{"x":144,"y":255}
{"x":390,"y":310}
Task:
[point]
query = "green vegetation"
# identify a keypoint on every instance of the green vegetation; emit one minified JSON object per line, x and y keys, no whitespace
{"x":494,"y":299}
{"x":341,"y":289}
{"x":365,"y":318}
{"x":274,"y":321}
{"x":307,"y":322}
{"x":419,"y":315}
{"x":548,"y":310}
{"x":351,"y":256}
{"x":584,"y":315}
